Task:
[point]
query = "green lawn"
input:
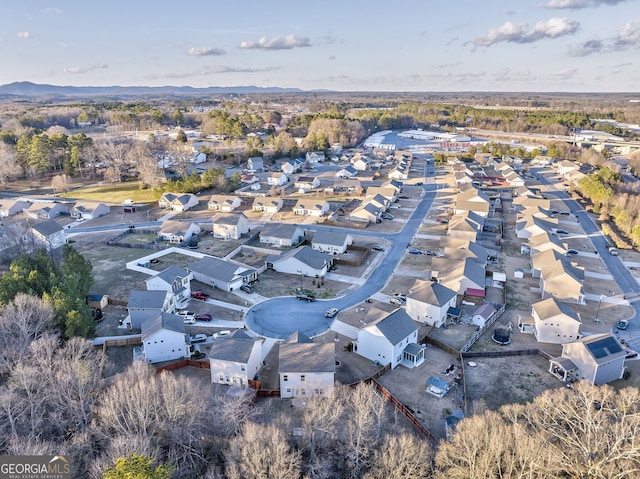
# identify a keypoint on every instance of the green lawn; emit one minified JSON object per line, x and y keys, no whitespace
{"x":113,"y":193}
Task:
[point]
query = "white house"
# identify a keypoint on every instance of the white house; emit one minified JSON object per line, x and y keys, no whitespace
{"x":303,"y":261}
{"x":223,"y":274}
{"x":41,"y":210}
{"x":175,"y":231}
{"x":255,"y":163}
{"x":224,"y":203}
{"x":267,"y":204}
{"x":315,"y":157}
{"x":235,"y":359}
{"x":306,"y":183}
{"x":89,"y":210}
{"x":552,"y":322}
{"x":311,"y":207}
{"x":12,"y":207}
{"x":48,"y":235}
{"x":281,"y":234}
{"x":460,"y":276}
{"x":230,"y":225}
{"x":598,"y":359}
{"x":145,"y":305}
{"x":175,"y":280}
{"x":331,"y":242}
{"x":429,"y":302}
{"x":306,"y":369}
{"x":164,"y":338}
{"x":483,"y":315}
{"x":366,"y":212}
{"x":178,"y":201}
{"x":277,"y":178}
{"x":390,"y":340}
{"x":346,"y":172}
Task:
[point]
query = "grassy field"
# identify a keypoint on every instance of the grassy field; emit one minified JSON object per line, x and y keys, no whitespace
{"x":113,"y":193}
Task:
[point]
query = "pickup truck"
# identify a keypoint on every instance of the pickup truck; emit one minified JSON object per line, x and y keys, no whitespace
{"x":305,"y":296}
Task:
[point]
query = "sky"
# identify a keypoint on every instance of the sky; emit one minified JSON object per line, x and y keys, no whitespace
{"x":345,"y":45}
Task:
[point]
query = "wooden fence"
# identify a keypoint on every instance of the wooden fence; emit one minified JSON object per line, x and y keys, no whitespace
{"x":184,"y":363}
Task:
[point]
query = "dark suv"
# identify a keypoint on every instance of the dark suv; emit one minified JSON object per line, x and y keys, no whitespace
{"x":305,"y":296}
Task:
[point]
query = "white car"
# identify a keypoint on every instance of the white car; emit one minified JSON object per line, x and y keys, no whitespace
{"x":221,"y":334}
{"x":198,"y":338}
{"x":188,"y":317}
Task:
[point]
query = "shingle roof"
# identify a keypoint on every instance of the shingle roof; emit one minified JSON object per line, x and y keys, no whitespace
{"x":218,"y":268}
{"x":431,"y":293}
{"x":147,"y":299}
{"x":171,"y":273}
{"x":47,"y":228}
{"x":236,"y":349}
{"x":171,"y":322}
{"x":396,"y":326}
{"x":336,"y":238}
{"x":551,"y":307}
{"x":307,"y":358}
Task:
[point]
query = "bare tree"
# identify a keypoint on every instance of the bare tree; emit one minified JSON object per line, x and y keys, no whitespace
{"x":230,"y":413}
{"x":401,"y":456}
{"x":28,"y":382}
{"x":114,"y":156}
{"x":262,"y":451}
{"x":145,"y":164}
{"x":9,"y":167}
{"x":61,"y":183}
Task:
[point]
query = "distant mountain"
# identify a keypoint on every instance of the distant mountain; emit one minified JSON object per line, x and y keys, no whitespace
{"x":28,"y":89}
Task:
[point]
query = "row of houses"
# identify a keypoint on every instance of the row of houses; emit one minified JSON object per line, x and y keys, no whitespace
{"x":41,"y":210}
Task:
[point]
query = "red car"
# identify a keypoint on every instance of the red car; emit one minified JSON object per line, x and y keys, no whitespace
{"x":203,"y":317}
{"x":199,"y":295}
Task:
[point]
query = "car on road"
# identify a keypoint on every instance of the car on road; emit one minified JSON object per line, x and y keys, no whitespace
{"x":247,"y":288}
{"x":203,"y":317}
{"x":199,"y":295}
{"x":303,"y":295}
{"x":377,"y":247}
{"x":623,"y":324}
{"x":198,"y":338}
{"x":572,"y":251}
{"x":331,"y":312}
{"x":562,"y":232}
{"x":419,"y":183}
{"x":403,"y":197}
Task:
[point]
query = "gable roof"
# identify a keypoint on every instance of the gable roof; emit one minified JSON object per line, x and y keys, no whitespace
{"x":396,"y":326}
{"x":171,"y":273}
{"x":47,"y":228}
{"x":147,"y":299}
{"x":602,"y":347}
{"x":307,"y":358}
{"x":228,"y":218}
{"x":175,"y":227}
{"x":280,"y":230}
{"x":236,"y":348}
{"x":305,"y":254}
{"x":551,"y":307}
{"x":336,"y":238}
{"x":168,"y":321}
{"x":218,"y":268}
{"x":428,"y":292}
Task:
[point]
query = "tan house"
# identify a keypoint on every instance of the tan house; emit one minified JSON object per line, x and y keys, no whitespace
{"x":224,"y":203}
{"x":552,"y":322}
{"x":230,"y":225}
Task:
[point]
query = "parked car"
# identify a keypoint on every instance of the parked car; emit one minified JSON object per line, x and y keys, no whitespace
{"x":199,"y":295}
{"x":302,"y":295}
{"x":431,"y":253}
{"x":247,"y":288}
{"x":397,"y":301}
{"x":188,"y":317}
{"x":403,"y":197}
{"x":631,"y":354}
{"x":562,"y":232}
{"x":572,"y":251}
{"x":203,"y":317}
{"x":387,"y":216}
{"x":377,"y":247}
{"x":331,"y":313}
{"x":415,"y":251}
{"x":221,"y":334}
{"x":198,"y":338}
{"x":623,"y":324}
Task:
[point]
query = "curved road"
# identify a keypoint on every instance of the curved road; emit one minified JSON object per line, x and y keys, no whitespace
{"x":280,"y":317}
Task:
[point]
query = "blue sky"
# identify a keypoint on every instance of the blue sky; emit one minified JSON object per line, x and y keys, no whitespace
{"x":347,"y":45}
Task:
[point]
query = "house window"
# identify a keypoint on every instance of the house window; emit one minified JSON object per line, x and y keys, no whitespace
{"x":221,"y":377}
{"x":302,"y":377}
{"x":289,"y":390}
{"x":242,"y":368}
{"x":285,"y":377}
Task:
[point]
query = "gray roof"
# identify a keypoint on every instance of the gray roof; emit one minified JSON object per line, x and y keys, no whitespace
{"x":147,"y":299}
{"x":431,"y":293}
{"x":307,"y":358}
{"x":279,"y":230}
{"x":603,"y":347}
{"x":299,"y":337}
{"x":171,"y":322}
{"x":396,"y":326}
{"x":171,"y":273}
{"x":336,"y":238}
{"x":219,"y":268}
{"x":551,"y":307}
{"x":47,"y":228}
{"x":237,"y":348}
{"x":474,"y":271}
{"x":227,"y":218}
{"x":305,"y":254}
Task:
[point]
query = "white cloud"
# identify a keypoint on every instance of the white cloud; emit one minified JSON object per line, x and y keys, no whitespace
{"x":286,"y":42}
{"x":78,"y":69}
{"x":627,"y":37}
{"x":202,"y":52}
{"x":577,"y":4}
{"x":52,"y":10}
{"x":522,"y":33}
{"x":24,"y":35}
